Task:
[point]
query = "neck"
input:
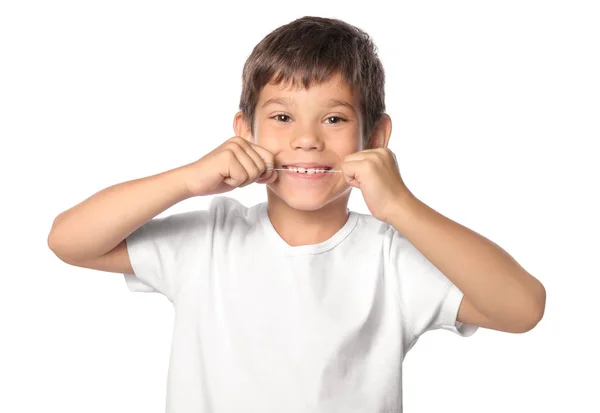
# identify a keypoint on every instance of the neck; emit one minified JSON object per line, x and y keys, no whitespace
{"x":300,"y":227}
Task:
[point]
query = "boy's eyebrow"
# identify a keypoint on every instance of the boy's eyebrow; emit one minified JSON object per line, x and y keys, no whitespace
{"x":291,"y":102}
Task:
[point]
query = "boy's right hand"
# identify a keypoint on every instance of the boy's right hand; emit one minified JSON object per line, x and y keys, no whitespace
{"x":234,"y":164}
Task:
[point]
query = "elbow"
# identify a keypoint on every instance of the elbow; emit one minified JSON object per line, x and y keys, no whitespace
{"x":51,"y":240}
{"x":536,"y":312}
{"x":54,"y":241}
{"x":54,"y":245}
{"x":529,"y":324}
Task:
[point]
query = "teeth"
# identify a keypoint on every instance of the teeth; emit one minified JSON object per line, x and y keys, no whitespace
{"x":306,"y":170}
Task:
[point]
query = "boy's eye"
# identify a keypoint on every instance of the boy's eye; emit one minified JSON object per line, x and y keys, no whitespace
{"x":280,"y":116}
{"x":336,"y":117}
{"x":284,"y":118}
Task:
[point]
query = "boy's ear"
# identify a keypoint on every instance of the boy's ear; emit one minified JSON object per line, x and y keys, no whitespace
{"x":380,"y":136}
{"x":241,"y":127}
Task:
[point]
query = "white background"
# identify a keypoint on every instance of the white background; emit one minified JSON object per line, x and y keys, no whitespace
{"x":496,"y":120}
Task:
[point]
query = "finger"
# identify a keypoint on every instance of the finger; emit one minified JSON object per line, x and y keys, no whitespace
{"x":356,"y":156}
{"x":269,"y":160}
{"x":235,"y":174}
{"x":360,"y":155}
{"x":248,"y":147}
{"x":251,"y":171}
{"x":262,"y":158}
{"x":267,"y":156}
{"x":351,"y":173}
{"x":267,"y":180}
{"x":396,"y":161}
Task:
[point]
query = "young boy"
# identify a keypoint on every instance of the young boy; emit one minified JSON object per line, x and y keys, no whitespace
{"x":299,"y":304}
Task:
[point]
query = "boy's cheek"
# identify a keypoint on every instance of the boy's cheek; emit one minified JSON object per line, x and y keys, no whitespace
{"x":269,"y":141}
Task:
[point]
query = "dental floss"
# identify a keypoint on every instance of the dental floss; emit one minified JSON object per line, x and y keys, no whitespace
{"x":327,"y":170}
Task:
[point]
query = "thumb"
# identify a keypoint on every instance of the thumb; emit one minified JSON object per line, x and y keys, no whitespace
{"x":268,"y":177}
{"x":350,"y":173}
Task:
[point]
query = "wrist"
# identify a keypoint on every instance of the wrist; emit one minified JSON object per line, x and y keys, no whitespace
{"x":405,"y":211}
{"x":179,"y":179}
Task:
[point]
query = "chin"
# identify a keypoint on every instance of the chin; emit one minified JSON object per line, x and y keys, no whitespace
{"x":311,"y":200}
{"x":305,"y":203}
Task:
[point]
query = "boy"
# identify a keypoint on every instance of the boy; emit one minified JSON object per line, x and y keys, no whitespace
{"x":299,"y":304}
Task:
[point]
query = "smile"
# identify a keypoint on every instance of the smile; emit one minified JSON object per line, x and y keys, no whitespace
{"x":301,"y":170}
{"x":306,"y":173}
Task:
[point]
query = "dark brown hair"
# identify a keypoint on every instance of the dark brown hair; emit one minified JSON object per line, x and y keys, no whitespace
{"x":313,"y":49}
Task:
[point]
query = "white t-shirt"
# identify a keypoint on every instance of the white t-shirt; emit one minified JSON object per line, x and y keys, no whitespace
{"x":262,"y":326}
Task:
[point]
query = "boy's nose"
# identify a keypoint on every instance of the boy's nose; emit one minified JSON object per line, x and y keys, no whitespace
{"x":307,"y":141}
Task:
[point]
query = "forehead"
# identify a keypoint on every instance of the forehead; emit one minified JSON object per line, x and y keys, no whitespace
{"x":335,"y":87}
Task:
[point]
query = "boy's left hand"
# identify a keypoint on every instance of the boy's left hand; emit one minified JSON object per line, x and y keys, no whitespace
{"x":376,"y":173}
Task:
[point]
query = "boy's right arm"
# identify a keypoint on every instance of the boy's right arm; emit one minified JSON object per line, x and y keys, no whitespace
{"x":92,"y":234}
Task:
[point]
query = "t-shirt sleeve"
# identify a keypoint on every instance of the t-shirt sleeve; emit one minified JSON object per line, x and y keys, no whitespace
{"x":429,"y":300}
{"x":166,"y":253}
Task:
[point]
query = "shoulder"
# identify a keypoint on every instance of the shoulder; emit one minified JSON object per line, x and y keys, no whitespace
{"x":224,"y":209}
{"x":370,"y":223}
{"x":190,"y":223}
{"x":396,"y":248}
{"x":369,"y":226}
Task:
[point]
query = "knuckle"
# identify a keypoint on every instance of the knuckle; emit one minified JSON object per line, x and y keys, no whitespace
{"x":230,"y":143}
{"x":230,"y":155}
{"x":229,"y":146}
{"x":241,"y":141}
{"x":252,"y":172}
{"x":241,"y":178}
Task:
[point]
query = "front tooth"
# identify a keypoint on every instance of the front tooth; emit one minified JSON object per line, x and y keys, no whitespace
{"x":306,"y":170}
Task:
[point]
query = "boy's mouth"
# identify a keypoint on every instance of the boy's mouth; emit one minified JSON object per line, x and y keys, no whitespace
{"x":307,"y":168}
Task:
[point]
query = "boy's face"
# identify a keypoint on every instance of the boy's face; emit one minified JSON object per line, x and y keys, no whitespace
{"x":320,"y":125}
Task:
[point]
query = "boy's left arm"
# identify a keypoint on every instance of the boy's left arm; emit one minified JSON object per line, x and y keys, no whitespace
{"x":498,"y":293}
